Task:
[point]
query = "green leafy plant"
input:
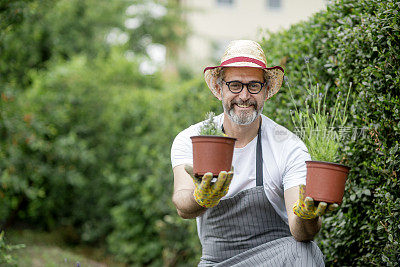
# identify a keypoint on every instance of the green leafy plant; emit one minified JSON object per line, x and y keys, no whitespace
{"x":210,"y":127}
{"x":319,"y":126}
{"x":5,"y":251}
{"x":358,"y":44}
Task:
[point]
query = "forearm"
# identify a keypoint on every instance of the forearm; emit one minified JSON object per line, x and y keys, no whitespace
{"x":305,"y":230}
{"x":185,"y":204}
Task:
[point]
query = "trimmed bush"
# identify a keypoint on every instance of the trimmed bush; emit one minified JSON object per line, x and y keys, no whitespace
{"x":353,"y":42}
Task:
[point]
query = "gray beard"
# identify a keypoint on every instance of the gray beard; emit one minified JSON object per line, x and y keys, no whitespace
{"x":242,"y":118}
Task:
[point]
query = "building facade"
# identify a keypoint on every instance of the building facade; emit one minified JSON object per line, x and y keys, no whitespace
{"x":215,"y":23}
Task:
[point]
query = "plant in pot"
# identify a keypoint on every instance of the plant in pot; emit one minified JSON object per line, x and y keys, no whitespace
{"x":321,"y":129}
{"x":212,"y":149}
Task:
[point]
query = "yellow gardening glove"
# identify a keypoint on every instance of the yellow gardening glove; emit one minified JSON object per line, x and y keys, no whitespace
{"x":305,"y":209}
{"x":208,"y":194}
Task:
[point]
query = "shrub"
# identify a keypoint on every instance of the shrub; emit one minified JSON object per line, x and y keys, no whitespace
{"x":94,"y":153}
{"x":5,"y":251}
{"x":358,"y":42}
{"x":147,"y":227}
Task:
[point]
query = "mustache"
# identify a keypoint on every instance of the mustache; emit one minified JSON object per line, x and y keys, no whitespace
{"x":247,"y":103}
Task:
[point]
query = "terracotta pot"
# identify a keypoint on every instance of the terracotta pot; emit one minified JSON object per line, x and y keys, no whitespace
{"x":212,"y":154}
{"x":326,"y":181}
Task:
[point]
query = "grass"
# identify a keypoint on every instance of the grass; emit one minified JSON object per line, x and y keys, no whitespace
{"x":49,"y":249}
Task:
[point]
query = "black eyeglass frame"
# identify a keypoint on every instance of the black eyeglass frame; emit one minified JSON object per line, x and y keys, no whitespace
{"x":247,"y":86}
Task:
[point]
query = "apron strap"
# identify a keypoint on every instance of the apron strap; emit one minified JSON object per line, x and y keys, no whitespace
{"x":259,"y":157}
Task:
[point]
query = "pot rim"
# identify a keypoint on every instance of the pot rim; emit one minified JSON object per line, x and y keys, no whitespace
{"x":327,"y":162}
{"x":212,"y":136}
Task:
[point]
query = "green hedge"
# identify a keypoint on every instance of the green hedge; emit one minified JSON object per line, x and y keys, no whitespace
{"x":358,"y":42}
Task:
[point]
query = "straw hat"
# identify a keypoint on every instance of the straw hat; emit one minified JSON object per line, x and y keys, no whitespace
{"x":245,"y":53}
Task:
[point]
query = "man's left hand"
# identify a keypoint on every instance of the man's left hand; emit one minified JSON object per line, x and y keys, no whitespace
{"x":305,"y":209}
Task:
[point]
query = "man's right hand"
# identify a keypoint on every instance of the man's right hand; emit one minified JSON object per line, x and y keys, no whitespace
{"x":206,"y":193}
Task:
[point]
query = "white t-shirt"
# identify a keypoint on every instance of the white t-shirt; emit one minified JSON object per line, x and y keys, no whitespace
{"x":284,"y":156}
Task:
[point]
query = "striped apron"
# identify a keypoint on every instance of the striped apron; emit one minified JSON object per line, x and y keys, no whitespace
{"x":245,"y":230}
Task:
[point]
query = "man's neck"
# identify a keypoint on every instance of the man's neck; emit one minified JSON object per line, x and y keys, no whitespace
{"x":243,"y":133}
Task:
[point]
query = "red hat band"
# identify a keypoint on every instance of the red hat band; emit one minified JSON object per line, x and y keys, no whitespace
{"x":243,"y":59}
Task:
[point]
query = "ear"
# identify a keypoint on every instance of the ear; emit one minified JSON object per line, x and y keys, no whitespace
{"x":218,"y":92}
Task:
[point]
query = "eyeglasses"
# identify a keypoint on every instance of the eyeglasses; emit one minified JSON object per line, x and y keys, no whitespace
{"x":253,"y":87}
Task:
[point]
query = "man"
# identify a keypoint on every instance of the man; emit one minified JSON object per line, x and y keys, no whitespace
{"x":256,"y":214}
